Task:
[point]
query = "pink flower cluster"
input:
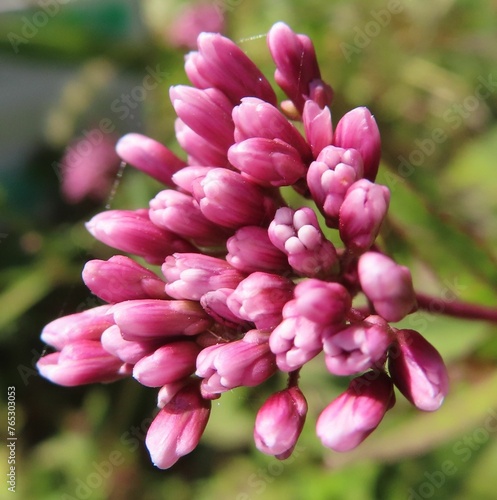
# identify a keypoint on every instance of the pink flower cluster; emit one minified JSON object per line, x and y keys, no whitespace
{"x":252,"y":286}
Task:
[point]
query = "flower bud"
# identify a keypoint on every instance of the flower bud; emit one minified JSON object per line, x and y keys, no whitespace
{"x":121,"y":278}
{"x":361,"y":214}
{"x":348,"y":420}
{"x":246,"y":362}
{"x":80,"y":362}
{"x":357,"y":348}
{"x":268,"y":162}
{"x":169,"y":363}
{"x":85,"y":325}
{"x":260,"y":299}
{"x":318,"y":127}
{"x":357,"y":129}
{"x":279,"y":422}
{"x":132,"y":231}
{"x":191,"y":275}
{"x":153,"y":319}
{"x":418,"y":370}
{"x":297,"y":233}
{"x":178,"y":427}
{"x":250,"y":250}
{"x":329,"y":178}
{"x":149,"y":156}
{"x":220,"y":63}
{"x":387,"y":285}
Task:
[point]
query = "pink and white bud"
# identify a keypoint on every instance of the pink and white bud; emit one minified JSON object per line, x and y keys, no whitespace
{"x":228,"y":199}
{"x":358,"y":347}
{"x":257,"y":118}
{"x":418,"y":370}
{"x":279,"y":422}
{"x":127,"y":351}
{"x":199,"y":150}
{"x":268,"y":162}
{"x":362,"y":213}
{"x":330,"y":177}
{"x":180,"y":213}
{"x":221,"y":64}
{"x":348,"y":420}
{"x":323,"y":302}
{"x":296,"y":64}
{"x":80,"y":362}
{"x":141,"y":320}
{"x":149,"y":156}
{"x":121,"y":278}
{"x":215,"y":305}
{"x":85,"y":325}
{"x":250,"y":250}
{"x":185,"y":178}
{"x":168,"y":391}
{"x":387,"y":285}
{"x":260,"y":299}
{"x":206,"y":112}
{"x":246,"y":362}
{"x":191,"y":275}
{"x":298,"y":235}
{"x":318,"y":126}
{"x":178,"y":427}
{"x":132,"y":231}
{"x":358,"y":130}
{"x":169,"y":363}
{"x":296,"y":340}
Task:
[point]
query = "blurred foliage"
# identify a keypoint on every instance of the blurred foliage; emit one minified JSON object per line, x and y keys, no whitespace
{"x":419,"y":67}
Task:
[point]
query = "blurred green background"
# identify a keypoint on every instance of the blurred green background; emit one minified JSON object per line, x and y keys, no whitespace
{"x":428,"y":72}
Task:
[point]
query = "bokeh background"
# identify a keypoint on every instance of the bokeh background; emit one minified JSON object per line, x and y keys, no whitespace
{"x":428,"y":72}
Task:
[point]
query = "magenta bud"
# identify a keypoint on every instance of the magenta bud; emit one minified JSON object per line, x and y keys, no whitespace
{"x":154,"y":319}
{"x":215,"y":305}
{"x":256,"y":118}
{"x":279,"y":422}
{"x":387,"y":285}
{"x":318,"y":127}
{"x":149,"y":156}
{"x":132,"y":231}
{"x":260,"y":299}
{"x":358,"y":130}
{"x":126,"y":350}
{"x":206,"y":112}
{"x":330,"y":177}
{"x":296,"y":64}
{"x":246,"y":362}
{"x":221,"y":64}
{"x":191,"y":275}
{"x":85,"y":325}
{"x":250,"y":250}
{"x":322,"y":302}
{"x":168,"y":391}
{"x":298,"y":235}
{"x":199,"y":150}
{"x":418,"y":370}
{"x":348,"y":420}
{"x":121,"y":278}
{"x":268,"y":162}
{"x":228,"y":199}
{"x":178,"y":427}
{"x":186,"y":177}
{"x":80,"y":362}
{"x":362,"y":213}
{"x":358,"y":347}
{"x":169,"y":363}
{"x":179,"y":213}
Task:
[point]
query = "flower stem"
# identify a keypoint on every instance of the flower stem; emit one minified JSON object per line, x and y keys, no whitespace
{"x":456,"y":308}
